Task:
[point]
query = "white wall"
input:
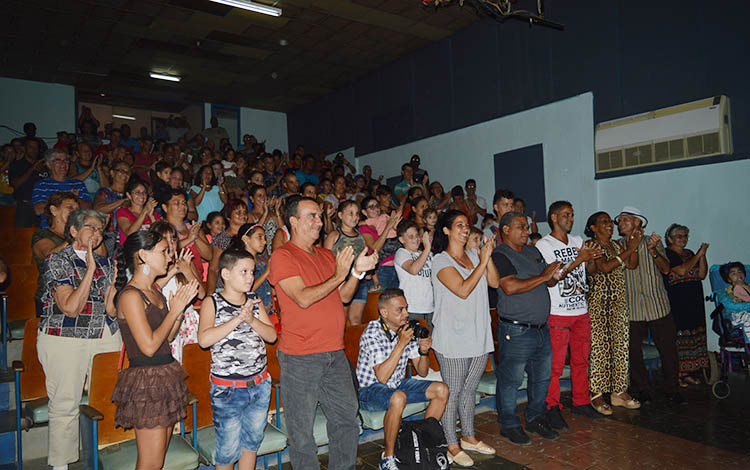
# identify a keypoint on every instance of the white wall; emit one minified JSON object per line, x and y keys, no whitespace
{"x":709,"y":199}
{"x":564,"y":128}
{"x":104,"y":114}
{"x":48,"y":105}
{"x":265,"y":125}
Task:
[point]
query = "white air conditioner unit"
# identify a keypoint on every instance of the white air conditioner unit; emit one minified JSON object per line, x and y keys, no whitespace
{"x":688,"y":131}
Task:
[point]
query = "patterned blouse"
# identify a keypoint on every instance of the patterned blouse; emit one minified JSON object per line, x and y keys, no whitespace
{"x":65,"y":268}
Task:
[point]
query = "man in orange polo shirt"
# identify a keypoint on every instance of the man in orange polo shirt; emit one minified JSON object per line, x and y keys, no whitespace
{"x":312,"y":286}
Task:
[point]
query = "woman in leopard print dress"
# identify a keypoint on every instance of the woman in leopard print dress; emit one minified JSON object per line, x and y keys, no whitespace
{"x":608,"y":310}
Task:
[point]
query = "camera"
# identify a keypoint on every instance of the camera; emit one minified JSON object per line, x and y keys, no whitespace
{"x":420,"y":331}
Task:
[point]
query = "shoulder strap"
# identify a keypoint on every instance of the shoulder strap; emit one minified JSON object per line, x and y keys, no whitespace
{"x":143,"y":296}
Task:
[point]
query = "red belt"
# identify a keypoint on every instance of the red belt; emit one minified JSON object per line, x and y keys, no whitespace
{"x":252,"y":382}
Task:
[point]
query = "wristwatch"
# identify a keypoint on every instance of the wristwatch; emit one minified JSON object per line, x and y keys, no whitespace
{"x":423,"y":354}
{"x":359,"y":276}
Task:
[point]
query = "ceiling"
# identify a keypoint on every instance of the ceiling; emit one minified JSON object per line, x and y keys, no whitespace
{"x":224,"y":55}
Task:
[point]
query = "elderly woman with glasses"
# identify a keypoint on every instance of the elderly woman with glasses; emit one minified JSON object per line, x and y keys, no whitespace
{"x":685,"y":291}
{"x":78,"y":321}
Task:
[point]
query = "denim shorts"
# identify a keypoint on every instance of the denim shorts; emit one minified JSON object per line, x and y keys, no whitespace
{"x":377,"y":397}
{"x":239,"y":418}
{"x":363,"y":289}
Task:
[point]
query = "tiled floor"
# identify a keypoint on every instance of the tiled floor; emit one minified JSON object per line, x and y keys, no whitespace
{"x":704,"y":433}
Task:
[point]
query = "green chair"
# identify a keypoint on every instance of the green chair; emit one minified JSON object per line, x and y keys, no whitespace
{"x":273,"y":441}
{"x":197,"y":363}
{"x":107,"y":447}
{"x":374,"y":419}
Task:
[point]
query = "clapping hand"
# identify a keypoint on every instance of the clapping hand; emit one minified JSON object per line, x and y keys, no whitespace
{"x":150,"y":206}
{"x":184,"y":295}
{"x":366,"y":262}
{"x":552,"y":271}
{"x":590,"y":250}
{"x":426,"y":241}
{"x":635,"y":238}
{"x":702,"y":250}
{"x":246,"y":311}
{"x":184,"y":261}
{"x":394,"y":219}
{"x":486,"y":251}
{"x":344,"y":259}
{"x":90,"y":261}
{"x":653,"y":240}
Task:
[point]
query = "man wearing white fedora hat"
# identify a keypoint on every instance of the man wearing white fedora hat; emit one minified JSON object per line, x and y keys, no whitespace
{"x":649,"y":308}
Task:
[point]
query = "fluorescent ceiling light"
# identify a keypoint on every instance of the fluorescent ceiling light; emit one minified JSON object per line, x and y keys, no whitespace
{"x":161,"y":76}
{"x":122,"y":116}
{"x":252,"y":6}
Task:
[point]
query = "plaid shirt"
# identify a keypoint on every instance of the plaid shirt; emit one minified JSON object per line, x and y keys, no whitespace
{"x":65,"y":268}
{"x":375,"y":347}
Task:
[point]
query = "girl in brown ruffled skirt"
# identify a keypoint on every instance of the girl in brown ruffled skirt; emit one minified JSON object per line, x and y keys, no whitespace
{"x":151,"y":394}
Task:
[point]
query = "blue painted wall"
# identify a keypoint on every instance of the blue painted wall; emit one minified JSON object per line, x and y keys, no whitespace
{"x":634,"y":55}
{"x":50,"y":106}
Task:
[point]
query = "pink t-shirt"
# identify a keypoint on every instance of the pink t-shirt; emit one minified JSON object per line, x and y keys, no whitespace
{"x":126,"y":213}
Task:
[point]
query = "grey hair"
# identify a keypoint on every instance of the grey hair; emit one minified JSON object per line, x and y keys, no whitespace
{"x":671,"y":229}
{"x":49,"y":155}
{"x":508,"y":217}
{"x":78,"y":217}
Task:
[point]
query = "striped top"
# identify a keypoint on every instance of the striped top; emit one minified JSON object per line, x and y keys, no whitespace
{"x":647,"y":296}
{"x":46,"y":187}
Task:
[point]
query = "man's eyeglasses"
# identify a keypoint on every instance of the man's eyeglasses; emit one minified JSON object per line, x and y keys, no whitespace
{"x":60,"y":161}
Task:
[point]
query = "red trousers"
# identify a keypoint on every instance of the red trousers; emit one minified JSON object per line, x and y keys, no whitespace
{"x":576,"y":332}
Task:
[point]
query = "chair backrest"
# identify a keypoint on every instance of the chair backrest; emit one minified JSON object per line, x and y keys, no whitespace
{"x":274,"y":369}
{"x":23,"y":280}
{"x":371,"y":308}
{"x":197,"y":364}
{"x":717,"y":282}
{"x":8,"y":214}
{"x":101,"y":384}
{"x":351,"y":342}
{"x":33,"y":380}
{"x":15,"y":245}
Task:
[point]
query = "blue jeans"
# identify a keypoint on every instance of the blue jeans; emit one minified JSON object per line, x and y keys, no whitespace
{"x":239,"y":418}
{"x":522,"y":349}
{"x":377,"y":397}
{"x":387,"y":277}
{"x":326,"y":378}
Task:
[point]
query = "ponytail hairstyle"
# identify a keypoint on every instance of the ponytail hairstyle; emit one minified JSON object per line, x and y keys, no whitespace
{"x":162,"y":228}
{"x":126,"y":259}
{"x":592,"y":221}
{"x":440,"y":239}
{"x":245,"y":230}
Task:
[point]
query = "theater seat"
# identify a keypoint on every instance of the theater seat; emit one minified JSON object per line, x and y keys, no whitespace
{"x":37,"y":411}
{"x":374,"y":419}
{"x":273,"y":441}
{"x":320,"y":431}
{"x":180,"y":455}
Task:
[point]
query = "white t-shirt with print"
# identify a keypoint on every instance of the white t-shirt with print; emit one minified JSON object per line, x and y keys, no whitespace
{"x":417,"y":288}
{"x":568,"y":297}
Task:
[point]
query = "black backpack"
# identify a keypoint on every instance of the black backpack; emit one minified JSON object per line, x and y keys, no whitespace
{"x":421,"y":445}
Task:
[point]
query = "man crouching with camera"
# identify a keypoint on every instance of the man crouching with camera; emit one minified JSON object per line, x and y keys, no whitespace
{"x":385,"y":348}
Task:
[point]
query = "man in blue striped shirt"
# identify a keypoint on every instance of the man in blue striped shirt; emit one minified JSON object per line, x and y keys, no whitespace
{"x":58,"y":163}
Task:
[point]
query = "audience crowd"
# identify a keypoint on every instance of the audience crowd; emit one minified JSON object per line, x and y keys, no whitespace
{"x":166,"y":241}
